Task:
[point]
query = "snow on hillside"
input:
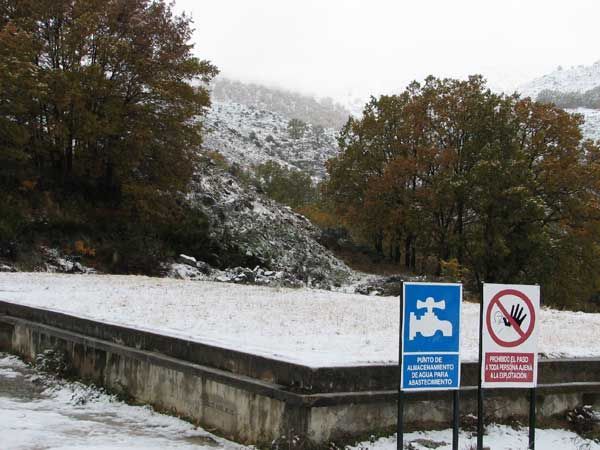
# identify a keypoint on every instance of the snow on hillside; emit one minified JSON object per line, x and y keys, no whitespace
{"x":266,"y":233}
{"x":591,"y":127}
{"x":355,"y":104}
{"x":248,"y":136}
{"x":292,"y":105}
{"x":574,"y":79}
{"x":312,"y":327}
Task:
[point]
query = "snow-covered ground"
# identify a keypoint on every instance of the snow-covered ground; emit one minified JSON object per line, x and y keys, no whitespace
{"x":263,"y":232}
{"x":497,"y":437}
{"x":39,"y":412}
{"x":312,"y":327}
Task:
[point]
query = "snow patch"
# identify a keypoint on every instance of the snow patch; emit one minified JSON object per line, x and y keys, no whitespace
{"x":249,"y":136}
{"x":72,"y":416}
{"x":497,"y":437}
{"x":313,"y":327}
{"x":262,"y":231}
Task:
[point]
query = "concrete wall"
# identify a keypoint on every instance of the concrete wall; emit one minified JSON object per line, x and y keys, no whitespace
{"x":255,"y":400}
{"x":236,"y":408}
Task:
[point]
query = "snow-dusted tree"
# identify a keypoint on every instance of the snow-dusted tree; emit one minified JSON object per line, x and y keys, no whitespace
{"x":296,"y":128}
{"x":318,"y":133}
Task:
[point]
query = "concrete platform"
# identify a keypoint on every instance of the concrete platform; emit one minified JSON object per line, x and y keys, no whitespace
{"x":256,"y":400}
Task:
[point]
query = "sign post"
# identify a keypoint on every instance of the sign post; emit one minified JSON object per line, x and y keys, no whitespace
{"x":400,"y":428}
{"x":509,"y":340}
{"x":479,"y":381}
{"x":430,"y":340}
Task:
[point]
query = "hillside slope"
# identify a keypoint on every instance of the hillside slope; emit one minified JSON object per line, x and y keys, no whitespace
{"x":575,"y":79}
{"x":262,"y":231}
{"x":591,"y":127}
{"x":249,"y":136}
{"x":292,"y":105}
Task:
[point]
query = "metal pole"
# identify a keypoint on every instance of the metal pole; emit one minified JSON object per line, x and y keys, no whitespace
{"x":400,"y":428}
{"x":400,"y":440}
{"x":455,"y":418}
{"x":532,"y":417}
{"x":480,"y":412}
{"x":532,"y":408}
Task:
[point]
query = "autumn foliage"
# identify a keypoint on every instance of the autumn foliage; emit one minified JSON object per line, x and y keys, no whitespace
{"x":497,"y":188}
{"x":98,"y":93}
{"x":100,"y":117}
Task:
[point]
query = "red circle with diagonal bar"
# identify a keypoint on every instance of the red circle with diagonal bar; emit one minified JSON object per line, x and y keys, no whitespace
{"x":523,"y":335}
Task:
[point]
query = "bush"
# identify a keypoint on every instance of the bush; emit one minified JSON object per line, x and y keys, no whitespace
{"x":290,"y":187}
{"x":137,"y":252}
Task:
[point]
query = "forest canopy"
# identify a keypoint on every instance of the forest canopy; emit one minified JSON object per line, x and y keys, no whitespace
{"x":499,"y":188}
{"x":99,"y":92}
{"x":99,"y":108}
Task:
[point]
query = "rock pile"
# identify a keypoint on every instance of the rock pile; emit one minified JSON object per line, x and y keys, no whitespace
{"x":188,"y":268}
{"x":7,"y":268}
{"x":54,"y":262}
{"x":262,"y":233}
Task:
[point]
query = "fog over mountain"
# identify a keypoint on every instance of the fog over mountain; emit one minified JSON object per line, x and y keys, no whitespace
{"x":346,"y":49}
{"x":293,"y":105}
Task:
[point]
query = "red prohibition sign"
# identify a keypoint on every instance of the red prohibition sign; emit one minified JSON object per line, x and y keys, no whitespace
{"x":523,"y":334}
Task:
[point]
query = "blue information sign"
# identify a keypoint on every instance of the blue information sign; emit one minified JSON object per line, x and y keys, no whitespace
{"x":431,"y":336}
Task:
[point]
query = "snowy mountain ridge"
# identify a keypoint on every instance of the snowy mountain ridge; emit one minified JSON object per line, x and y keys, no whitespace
{"x":242,"y":126}
{"x":575,"y":79}
{"x":292,"y":105}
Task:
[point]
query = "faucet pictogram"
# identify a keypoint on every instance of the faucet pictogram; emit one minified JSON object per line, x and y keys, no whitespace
{"x":429,"y":323}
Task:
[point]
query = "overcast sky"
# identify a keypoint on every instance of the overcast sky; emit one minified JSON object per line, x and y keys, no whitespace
{"x":361,"y":47}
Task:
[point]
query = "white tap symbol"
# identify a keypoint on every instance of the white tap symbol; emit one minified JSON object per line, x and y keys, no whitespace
{"x":429,"y":323}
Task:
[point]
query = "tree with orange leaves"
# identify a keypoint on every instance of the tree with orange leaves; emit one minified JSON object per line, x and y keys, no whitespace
{"x":450,"y":170}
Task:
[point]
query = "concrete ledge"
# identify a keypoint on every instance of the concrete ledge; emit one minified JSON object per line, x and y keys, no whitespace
{"x":240,"y":381}
{"x":7,"y":323}
{"x":256,"y":400}
{"x":296,"y":377}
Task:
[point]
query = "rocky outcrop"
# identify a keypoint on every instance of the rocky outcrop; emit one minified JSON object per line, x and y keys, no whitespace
{"x":7,"y":268}
{"x":55,"y":262}
{"x":261,"y":232}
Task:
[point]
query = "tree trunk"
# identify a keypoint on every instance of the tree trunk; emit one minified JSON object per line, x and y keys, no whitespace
{"x":396,"y":258}
{"x":407,"y":252}
{"x":460,"y":230}
{"x":379,"y":243}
